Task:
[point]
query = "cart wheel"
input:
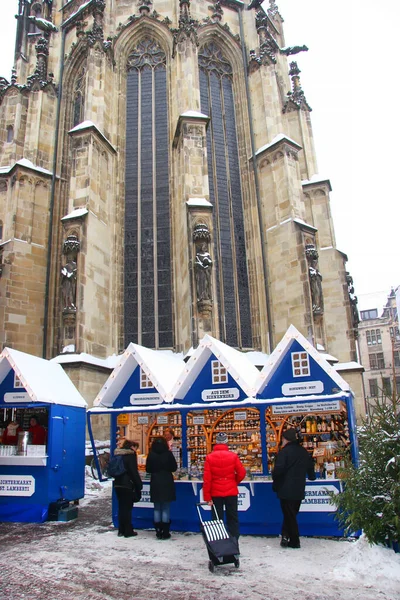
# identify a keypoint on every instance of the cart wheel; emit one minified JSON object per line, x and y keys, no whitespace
{"x":236,"y":563}
{"x":211,"y":566}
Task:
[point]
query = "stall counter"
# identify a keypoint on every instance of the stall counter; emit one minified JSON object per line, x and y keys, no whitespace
{"x":259,"y":508}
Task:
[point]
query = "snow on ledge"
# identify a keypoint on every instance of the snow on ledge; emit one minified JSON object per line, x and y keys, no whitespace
{"x":279,"y":138}
{"x":78,"y":212}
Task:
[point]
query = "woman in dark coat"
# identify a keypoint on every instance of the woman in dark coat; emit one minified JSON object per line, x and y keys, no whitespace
{"x":127,"y":486}
{"x":161,"y":464}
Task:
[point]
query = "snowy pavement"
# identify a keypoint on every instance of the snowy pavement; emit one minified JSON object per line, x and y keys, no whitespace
{"x":85,"y":560}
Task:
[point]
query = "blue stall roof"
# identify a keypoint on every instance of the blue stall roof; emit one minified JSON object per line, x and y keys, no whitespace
{"x":43,"y":381}
{"x":296,"y":368}
{"x":238,"y":365}
{"x":162,"y":367}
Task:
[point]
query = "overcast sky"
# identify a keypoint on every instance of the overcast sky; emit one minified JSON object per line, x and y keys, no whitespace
{"x":350,"y":79}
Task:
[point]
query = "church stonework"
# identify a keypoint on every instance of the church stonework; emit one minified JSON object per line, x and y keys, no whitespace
{"x":158,"y":182}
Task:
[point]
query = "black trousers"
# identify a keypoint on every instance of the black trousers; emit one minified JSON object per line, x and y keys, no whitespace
{"x":230,"y":503}
{"x":290,"y":529}
{"x":125,"y":505}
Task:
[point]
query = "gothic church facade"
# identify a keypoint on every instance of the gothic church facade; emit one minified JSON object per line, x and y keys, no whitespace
{"x":158,"y":181}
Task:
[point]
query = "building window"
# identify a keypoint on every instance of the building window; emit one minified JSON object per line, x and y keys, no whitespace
{"x":10,"y":134}
{"x":145,"y":382}
{"x":396,"y":356}
{"x":147,"y":244}
{"x":300,"y":364}
{"x":373,"y":388}
{"x":231,"y":269}
{"x":386,"y":386}
{"x":398,"y":385}
{"x":79,"y":98}
{"x":219,"y":373}
{"x":373,"y":337}
{"x":17,"y":381}
{"x":377,"y":361}
{"x":394,"y":334}
{"x":369,"y":314}
{"x":1,"y":230}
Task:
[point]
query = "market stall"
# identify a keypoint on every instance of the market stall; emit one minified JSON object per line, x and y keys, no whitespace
{"x":42,"y":440}
{"x":220,"y":390}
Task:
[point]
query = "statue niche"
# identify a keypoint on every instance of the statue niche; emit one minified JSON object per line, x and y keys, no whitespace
{"x":203,"y":267}
{"x":315,"y":279}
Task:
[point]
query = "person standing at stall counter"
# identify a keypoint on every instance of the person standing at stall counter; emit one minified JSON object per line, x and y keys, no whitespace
{"x":293,"y":463}
{"x":127,"y":487}
{"x":37,"y":431}
{"x":161,"y":464}
{"x":223,"y":471}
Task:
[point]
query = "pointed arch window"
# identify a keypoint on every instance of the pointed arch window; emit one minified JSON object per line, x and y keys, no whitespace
{"x":147,"y":261}
{"x":217,"y":100}
{"x":79,"y":98}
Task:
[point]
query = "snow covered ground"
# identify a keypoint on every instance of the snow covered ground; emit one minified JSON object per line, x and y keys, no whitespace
{"x":84,"y":559}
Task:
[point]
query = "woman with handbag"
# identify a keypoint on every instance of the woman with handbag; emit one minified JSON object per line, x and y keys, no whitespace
{"x":127,"y":487}
{"x":161,"y":464}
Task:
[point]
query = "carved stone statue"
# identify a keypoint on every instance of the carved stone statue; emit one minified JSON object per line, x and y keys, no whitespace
{"x":203,"y":264}
{"x":315,"y":279}
{"x":68,"y":285}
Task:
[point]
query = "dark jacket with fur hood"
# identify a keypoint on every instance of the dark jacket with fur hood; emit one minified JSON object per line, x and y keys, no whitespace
{"x":131,"y":478}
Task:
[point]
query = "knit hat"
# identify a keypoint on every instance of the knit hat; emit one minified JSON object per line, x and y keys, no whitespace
{"x":221,"y":438}
{"x":290,"y":435}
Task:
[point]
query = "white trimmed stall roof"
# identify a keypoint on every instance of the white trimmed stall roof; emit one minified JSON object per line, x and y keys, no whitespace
{"x":45,"y":381}
{"x":280,"y":352}
{"x":235,"y":362}
{"x":162,"y":367}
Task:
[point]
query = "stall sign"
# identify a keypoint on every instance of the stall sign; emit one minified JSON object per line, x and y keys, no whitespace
{"x":145,"y":501}
{"x":240,"y":415}
{"x":13,"y":398}
{"x":143,"y":420}
{"x":123,"y":419}
{"x":17,"y":485}
{"x":142,"y":399}
{"x":300,"y":389}
{"x":317,"y":499}
{"x":320,"y":407}
{"x":243,"y":499}
{"x":162,"y":420}
{"x":198,"y":420}
{"x":220,"y":394}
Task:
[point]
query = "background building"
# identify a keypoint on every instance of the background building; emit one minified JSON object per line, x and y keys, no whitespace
{"x":158,"y":181}
{"x":379,"y":343}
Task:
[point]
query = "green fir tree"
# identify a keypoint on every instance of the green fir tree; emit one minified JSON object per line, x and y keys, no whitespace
{"x":370,"y":500}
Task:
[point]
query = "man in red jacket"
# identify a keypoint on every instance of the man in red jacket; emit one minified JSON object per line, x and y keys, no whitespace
{"x":223,"y":471}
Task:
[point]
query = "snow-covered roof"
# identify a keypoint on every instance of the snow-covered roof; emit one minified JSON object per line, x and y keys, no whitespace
{"x":162,"y":367}
{"x":329,"y":358}
{"x":108,"y":363}
{"x":280,"y":352}
{"x":24,"y":162}
{"x":235,"y":362}
{"x":198,"y":202}
{"x":85,"y":125}
{"x":75,"y":214}
{"x":44,"y":380}
{"x":349,"y":366}
{"x":315,"y":179}
{"x":281,"y":137}
{"x":258,"y":359}
{"x":193,"y":114}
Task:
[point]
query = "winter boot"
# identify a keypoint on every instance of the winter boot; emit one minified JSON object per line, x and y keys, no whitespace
{"x":158,"y":528}
{"x":165,"y":531}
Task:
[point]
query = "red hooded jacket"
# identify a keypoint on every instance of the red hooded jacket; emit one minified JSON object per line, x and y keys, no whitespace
{"x":223,"y":471}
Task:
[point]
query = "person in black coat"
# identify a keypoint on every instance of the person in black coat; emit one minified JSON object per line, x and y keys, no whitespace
{"x":127,"y":487}
{"x":293,"y":463}
{"x":161,"y":464}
